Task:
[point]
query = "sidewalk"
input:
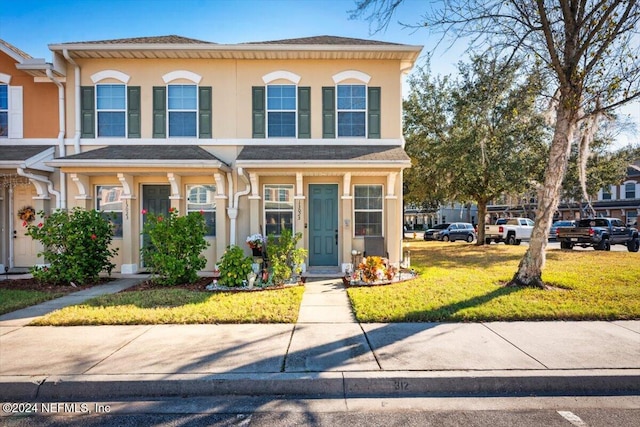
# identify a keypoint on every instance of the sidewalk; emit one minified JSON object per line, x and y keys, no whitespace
{"x":326,"y":354}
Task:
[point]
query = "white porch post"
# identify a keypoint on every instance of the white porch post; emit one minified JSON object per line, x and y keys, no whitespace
{"x":393,"y":220}
{"x":222,"y":229}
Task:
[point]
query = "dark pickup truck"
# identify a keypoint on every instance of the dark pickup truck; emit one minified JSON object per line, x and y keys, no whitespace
{"x":600,"y":233}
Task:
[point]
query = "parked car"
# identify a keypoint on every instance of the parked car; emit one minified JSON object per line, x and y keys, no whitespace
{"x":454,"y":231}
{"x":553,"y":232}
{"x":599,"y":233}
{"x":431,"y":233}
{"x":511,"y":231}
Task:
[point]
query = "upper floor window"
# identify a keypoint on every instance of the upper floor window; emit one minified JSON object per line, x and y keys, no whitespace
{"x":352,"y":110}
{"x":630,"y":190}
{"x":606,"y":193}
{"x":281,"y":111}
{"x":4,"y":110}
{"x":111,"y":106}
{"x":182,"y":101}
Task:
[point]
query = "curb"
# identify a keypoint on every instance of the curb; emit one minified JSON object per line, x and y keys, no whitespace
{"x":325,"y":384}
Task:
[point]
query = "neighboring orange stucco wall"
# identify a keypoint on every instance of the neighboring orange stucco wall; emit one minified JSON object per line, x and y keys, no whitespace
{"x":40,"y":101}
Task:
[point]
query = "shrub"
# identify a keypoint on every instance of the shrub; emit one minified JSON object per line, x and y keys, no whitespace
{"x":234,"y":267}
{"x":173,"y":247}
{"x":76,"y":246}
{"x":283,"y":255}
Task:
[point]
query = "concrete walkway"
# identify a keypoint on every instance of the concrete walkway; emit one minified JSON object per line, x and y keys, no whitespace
{"x":327,"y":353}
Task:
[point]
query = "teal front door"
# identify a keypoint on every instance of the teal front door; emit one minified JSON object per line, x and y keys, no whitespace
{"x":155,"y":200}
{"x":323,"y":224}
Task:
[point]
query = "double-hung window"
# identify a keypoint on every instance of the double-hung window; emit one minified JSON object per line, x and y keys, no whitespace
{"x":368,"y":210}
{"x":201,"y":198}
{"x":183,"y":110}
{"x":4,"y":110}
{"x":111,"y":107}
{"x":109,"y":203}
{"x":606,"y":193}
{"x":281,"y":111}
{"x":278,"y":208}
{"x":630,"y":190}
{"x":352,"y":110}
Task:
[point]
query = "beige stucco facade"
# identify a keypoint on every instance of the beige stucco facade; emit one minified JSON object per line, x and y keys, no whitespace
{"x":242,"y":185}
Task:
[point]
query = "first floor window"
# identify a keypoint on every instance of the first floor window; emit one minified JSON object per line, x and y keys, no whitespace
{"x":183,"y":110}
{"x":111,"y":107}
{"x":278,"y":208}
{"x":109,"y":203}
{"x":4,"y":110}
{"x":367,"y":204}
{"x":202,"y":198}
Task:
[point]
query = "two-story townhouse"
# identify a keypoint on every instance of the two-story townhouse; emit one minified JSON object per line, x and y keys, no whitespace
{"x":30,"y":135}
{"x":303,"y":134}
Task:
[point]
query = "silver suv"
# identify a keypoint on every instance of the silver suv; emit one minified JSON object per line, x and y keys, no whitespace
{"x":457,"y":231}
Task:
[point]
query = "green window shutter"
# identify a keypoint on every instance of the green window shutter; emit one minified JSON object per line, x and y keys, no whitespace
{"x":133,"y":111}
{"x":304,"y":112}
{"x":329,"y":112}
{"x":373,"y":112}
{"x":159,"y":112}
{"x":87,"y":111}
{"x":204,"y":112}
{"x":258,"y":121}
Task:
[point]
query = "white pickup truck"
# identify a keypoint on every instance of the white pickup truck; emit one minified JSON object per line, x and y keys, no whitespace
{"x":511,"y":231}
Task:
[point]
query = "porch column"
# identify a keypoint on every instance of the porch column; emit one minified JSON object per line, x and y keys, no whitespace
{"x":222,"y":232}
{"x":176,"y":192}
{"x":393,"y":220}
{"x":254,"y":204}
{"x":130,"y":241}
{"x":347,"y":218}
{"x":83,"y":198}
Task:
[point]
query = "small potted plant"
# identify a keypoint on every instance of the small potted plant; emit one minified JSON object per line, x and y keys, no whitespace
{"x":256,"y":243}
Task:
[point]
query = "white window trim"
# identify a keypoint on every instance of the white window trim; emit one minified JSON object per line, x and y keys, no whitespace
{"x":5,"y":78}
{"x":110,"y":74}
{"x":126,"y":100}
{"x":366,"y":112}
{"x":281,"y":75}
{"x":264,"y":209}
{"x":623,"y":189}
{"x":295,"y":111}
{"x":197,"y":111}
{"x":213,"y":210}
{"x":351,"y":75}
{"x":353,"y":213}
{"x":182,"y":74}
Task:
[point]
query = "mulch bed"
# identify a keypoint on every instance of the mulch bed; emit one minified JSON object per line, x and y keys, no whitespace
{"x":35,"y":285}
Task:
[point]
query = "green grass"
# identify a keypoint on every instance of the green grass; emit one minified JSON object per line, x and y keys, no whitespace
{"x":180,"y":306}
{"x":15,"y":299}
{"x":460,"y":282}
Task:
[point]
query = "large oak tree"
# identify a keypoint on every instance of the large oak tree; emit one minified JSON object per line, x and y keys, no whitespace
{"x":591,"y":52}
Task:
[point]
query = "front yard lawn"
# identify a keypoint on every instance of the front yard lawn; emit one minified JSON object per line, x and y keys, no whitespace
{"x":181,"y":306}
{"x":459,"y":282}
{"x":15,"y":299}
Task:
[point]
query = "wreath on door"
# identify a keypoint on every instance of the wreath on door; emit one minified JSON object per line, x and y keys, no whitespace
{"x":27,"y":214}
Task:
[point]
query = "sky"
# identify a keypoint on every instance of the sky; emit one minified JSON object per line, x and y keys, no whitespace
{"x":31,"y":25}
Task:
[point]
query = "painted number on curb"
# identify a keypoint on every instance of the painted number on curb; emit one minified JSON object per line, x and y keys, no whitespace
{"x":400,"y":385}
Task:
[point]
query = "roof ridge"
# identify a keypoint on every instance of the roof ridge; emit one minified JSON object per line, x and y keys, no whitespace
{"x":15,"y":50}
{"x":164,"y":39}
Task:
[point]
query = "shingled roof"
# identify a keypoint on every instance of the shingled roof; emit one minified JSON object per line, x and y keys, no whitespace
{"x":323,"y":153}
{"x":145,"y":152}
{"x":170,"y":39}
{"x":20,"y":153}
{"x":8,"y":46}
{"x":326,"y":40}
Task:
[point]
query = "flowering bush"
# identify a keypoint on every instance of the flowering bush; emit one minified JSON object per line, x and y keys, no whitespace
{"x":173,"y":246}
{"x":234,"y":267}
{"x":76,"y":245}
{"x":255,"y":241}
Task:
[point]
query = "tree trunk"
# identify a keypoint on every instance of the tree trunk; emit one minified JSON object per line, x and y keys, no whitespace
{"x":530,"y":269}
{"x":482,"y":214}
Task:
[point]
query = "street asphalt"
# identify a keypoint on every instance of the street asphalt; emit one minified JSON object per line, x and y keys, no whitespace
{"x":327,"y":353}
